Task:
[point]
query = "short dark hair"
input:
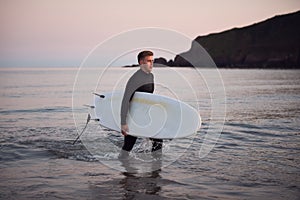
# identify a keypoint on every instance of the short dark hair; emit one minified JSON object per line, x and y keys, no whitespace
{"x":143,"y":54}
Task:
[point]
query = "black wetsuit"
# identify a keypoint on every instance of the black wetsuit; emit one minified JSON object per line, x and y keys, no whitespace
{"x":140,"y":81}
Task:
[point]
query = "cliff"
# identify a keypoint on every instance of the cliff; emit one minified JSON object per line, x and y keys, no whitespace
{"x":274,"y":43}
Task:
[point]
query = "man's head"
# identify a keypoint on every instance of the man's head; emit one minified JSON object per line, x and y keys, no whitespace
{"x":145,"y":59}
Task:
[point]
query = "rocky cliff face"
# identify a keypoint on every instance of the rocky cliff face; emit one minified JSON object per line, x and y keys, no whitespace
{"x":274,"y":43}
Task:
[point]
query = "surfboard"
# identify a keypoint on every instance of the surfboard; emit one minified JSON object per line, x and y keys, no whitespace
{"x":149,"y":116}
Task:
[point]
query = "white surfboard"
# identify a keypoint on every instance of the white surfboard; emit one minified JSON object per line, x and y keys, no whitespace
{"x":150,"y":115}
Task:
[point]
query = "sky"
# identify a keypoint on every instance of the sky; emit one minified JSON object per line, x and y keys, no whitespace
{"x":61,"y":33}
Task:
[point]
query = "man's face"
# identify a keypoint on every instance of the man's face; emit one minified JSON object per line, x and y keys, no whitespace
{"x":147,"y":64}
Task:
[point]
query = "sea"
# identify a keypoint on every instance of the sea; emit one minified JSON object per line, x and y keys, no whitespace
{"x":248,"y":145}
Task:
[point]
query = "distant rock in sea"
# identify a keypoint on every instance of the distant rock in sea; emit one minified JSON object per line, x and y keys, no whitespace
{"x":133,"y":65}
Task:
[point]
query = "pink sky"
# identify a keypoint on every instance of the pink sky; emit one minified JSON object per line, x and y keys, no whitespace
{"x":62,"y":32}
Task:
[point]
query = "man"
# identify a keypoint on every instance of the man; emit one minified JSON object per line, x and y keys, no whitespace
{"x":141,"y":81}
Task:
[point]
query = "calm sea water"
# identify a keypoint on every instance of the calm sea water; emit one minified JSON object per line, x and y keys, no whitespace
{"x":255,"y":157}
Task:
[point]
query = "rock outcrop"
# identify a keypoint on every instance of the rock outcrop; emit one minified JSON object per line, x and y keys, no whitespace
{"x":274,"y":43}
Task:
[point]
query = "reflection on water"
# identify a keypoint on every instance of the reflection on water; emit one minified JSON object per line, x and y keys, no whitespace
{"x":133,"y":183}
{"x":147,"y":185}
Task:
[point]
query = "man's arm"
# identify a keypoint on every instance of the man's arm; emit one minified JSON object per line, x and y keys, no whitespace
{"x":129,"y":91}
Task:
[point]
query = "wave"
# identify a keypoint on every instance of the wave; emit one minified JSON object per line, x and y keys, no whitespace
{"x":62,"y":149}
{"x":37,"y":110}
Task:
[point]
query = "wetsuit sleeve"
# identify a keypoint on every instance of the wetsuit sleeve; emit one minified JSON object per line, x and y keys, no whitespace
{"x":129,"y":91}
{"x":152,"y":83}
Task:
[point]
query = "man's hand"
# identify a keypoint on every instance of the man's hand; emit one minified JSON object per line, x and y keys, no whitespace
{"x":124,"y":129}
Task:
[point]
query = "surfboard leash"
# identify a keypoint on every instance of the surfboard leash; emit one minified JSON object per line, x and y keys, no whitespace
{"x":87,"y":121}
